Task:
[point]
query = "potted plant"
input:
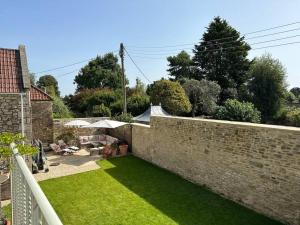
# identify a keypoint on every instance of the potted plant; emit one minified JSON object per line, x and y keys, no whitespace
{"x":114,"y":149}
{"x":107,"y":151}
{"x":123,"y":148}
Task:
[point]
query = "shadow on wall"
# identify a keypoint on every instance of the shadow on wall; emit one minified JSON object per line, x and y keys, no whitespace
{"x":182,"y":201}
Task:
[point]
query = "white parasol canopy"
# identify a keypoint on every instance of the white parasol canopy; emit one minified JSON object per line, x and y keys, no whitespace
{"x":77,"y":123}
{"x":105,"y":124}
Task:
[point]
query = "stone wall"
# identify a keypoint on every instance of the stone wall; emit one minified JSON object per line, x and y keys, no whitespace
{"x":42,"y":122}
{"x":59,"y":126}
{"x":255,"y":165}
{"x":122,"y":133}
{"x":10,"y":114}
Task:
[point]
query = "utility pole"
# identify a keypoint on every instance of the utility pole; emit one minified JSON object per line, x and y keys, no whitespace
{"x":123,"y":78}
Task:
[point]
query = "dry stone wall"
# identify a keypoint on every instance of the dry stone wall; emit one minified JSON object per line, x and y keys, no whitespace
{"x":255,"y":165}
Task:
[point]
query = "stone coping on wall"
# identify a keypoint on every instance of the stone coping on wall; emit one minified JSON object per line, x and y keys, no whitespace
{"x":140,"y":124}
{"x":234,"y":123}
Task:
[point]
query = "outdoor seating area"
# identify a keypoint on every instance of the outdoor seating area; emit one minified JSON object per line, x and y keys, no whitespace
{"x":96,"y":140}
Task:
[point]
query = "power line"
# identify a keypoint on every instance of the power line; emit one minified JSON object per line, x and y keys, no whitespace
{"x":226,"y":49}
{"x":61,"y":67}
{"x":222,"y":43}
{"x":64,"y":74}
{"x":165,"y":52}
{"x":218,"y":39}
{"x":139,"y":69}
{"x":272,"y":46}
{"x":68,"y":65}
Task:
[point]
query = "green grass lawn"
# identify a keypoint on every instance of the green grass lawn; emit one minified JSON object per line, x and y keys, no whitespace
{"x":131,"y":191}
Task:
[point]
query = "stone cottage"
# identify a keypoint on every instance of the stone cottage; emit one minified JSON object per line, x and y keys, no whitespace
{"x":24,"y":108}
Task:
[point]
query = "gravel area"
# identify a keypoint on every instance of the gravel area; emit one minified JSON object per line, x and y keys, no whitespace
{"x":79,"y":162}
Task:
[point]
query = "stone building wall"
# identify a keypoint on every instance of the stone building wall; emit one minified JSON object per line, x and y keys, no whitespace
{"x":42,"y":122}
{"x":10,"y":114}
{"x":255,"y":165}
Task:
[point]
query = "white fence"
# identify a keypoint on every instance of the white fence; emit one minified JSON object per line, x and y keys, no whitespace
{"x":29,"y":204}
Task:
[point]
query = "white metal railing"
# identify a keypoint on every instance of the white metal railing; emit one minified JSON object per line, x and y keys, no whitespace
{"x":30,"y":206}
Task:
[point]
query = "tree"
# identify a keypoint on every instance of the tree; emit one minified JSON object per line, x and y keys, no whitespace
{"x":290,"y":97}
{"x":171,"y":96}
{"x":101,"y":72}
{"x":60,"y":110}
{"x":180,"y":66}
{"x":296,"y":92}
{"x":221,"y":55}
{"x":203,"y":96}
{"x":32,"y":78}
{"x":138,"y":89}
{"x":268,"y":86}
{"x":101,"y":110}
{"x":137,"y":104}
{"x":50,"y":84}
{"x":238,"y":111}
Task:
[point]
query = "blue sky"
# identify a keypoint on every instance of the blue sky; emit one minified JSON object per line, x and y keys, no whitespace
{"x":57,"y":33}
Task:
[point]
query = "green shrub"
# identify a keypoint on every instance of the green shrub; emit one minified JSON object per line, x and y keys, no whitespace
{"x":124,"y":117}
{"x":137,"y":104}
{"x":60,"y":110}
{"x":171,"y":96}
{"x":67,"y":136}
{"x":101,"y":110}
{"x":116,"y":107}
{"x":292,"y":117}
{"x":238,"y":111}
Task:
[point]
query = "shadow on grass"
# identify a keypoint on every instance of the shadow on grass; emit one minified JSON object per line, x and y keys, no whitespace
{"x":182,"y":201}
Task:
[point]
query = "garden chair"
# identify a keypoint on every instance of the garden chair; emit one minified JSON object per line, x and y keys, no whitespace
{"x":56,"y":148}
{"x":62,"y":144}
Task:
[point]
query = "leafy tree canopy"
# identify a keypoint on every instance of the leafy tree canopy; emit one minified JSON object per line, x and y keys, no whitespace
{"x":221,"y":55}
{"x":296,"y":91}
{"x":101,"y":72}
{"x":238,"y":111}
{"x":138,"y":89}
{"x":268,"y":85}
{"x":32,"y":78}
{"x":50,"y":83}
{"x":60,"y":110}
{"x":203,"y":96}
{"x":180,"y":66}
{"x":171,"y":95}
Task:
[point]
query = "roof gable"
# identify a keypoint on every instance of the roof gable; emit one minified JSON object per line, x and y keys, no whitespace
{"x":37,"y":94}
{"x":10,"y":71}
{"x":14,"y":75}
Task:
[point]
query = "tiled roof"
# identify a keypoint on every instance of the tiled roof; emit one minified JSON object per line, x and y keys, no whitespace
{"x":10,"y":71}
{"x":37,"y":94}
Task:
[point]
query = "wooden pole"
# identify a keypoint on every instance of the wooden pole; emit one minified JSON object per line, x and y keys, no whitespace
{"x":123,"y":78}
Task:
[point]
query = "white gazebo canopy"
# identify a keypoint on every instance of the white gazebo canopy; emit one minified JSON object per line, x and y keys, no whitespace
{"x":77,"y":123}
{"x":153,"y":110}
{"x":105,"y":124}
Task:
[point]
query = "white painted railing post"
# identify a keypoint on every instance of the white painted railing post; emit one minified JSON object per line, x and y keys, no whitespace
{"x":29,"y":203}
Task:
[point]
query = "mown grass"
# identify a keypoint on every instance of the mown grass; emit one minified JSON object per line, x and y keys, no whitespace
{"x":131,"y":191}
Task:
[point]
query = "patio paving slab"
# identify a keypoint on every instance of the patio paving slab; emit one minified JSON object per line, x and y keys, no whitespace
{"x":79,"y":162}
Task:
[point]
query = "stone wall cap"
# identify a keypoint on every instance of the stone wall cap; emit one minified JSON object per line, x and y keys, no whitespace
{"x":140,"y":125}
{"x":232,"y":123}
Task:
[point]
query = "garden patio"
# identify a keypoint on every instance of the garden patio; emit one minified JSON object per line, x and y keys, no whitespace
{"x":128,"y":190}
